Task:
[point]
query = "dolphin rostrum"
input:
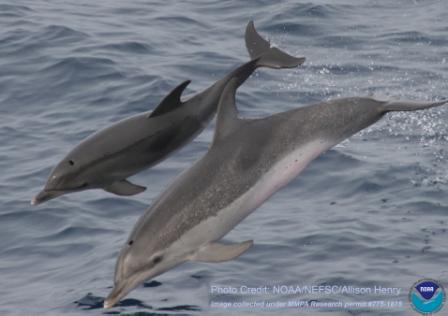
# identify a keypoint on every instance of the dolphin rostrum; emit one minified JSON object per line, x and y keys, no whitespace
{"x":248,"y":161}
{"x":108,"y":157}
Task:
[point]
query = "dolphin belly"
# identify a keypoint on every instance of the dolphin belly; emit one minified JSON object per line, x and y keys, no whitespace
{"x":280,"y":174}
{"x":283,"y":172}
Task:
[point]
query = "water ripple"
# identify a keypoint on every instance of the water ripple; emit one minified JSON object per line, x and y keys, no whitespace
{"x":370,"y":211}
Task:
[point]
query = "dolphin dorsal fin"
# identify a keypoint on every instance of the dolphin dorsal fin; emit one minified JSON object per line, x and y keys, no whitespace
{"x":227,"y":118}
{"x":171,"y":101}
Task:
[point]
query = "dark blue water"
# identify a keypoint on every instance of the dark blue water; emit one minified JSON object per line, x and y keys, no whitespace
{"x":372,"y":211}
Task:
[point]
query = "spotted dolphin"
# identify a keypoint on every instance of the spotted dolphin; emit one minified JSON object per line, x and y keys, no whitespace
{"x":248,"y":161}
{"x":108,"y":157}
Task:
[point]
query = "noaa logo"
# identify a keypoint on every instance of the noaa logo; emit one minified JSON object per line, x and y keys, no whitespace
{"x":427,"y":296}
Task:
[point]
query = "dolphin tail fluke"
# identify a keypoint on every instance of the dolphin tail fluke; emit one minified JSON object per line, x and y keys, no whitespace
{"x":255,"y":44}
{"x":263,"y":55}
{"x":268,"y":56}
{"x":277,"y":59}
{"x":411,"y":105}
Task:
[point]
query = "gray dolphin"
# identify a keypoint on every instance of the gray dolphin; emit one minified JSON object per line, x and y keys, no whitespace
{"x":248,"y":161}
{"x":108,"y":157}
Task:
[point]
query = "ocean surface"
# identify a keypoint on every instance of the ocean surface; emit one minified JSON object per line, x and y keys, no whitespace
{"x":371,"y":212}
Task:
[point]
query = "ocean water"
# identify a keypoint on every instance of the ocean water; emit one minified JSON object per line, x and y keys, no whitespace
{"x":372,"y":211}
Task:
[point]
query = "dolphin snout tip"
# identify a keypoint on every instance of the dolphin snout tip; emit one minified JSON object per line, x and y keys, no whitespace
{"x":107,"y":304}
{"x":117,"y":293}
{"x":44,"y":196}
{"x":111,"y":299}
{"x":39,"y":198}
{"x":110,"y":302}
{"x":34,"y":201}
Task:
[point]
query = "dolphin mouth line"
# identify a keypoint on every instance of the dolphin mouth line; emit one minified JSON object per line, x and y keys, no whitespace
{"x":126,"y":286}
{"x":118,"y":293}
{"x":46,"y":194}
{"x":84,"y":185}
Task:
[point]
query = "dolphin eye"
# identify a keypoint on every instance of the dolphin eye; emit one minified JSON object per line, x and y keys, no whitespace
{"x":71,"y":162}
{"x":130,"y":242}
{"x":157,"y":259}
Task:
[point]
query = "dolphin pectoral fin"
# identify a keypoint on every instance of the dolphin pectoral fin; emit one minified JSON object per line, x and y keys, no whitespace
{"x":217,"y":252}
{"x":171,"y":101}
{"x":124,"y":187}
